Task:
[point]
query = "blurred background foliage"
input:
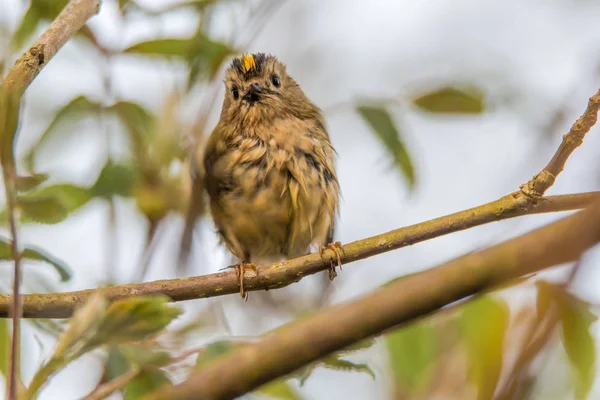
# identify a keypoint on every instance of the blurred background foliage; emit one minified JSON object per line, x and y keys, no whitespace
{"x":106,"y":143}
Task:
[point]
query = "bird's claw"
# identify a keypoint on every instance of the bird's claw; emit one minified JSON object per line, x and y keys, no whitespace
{"x":338,"y":250}
{"x":240,"y":269}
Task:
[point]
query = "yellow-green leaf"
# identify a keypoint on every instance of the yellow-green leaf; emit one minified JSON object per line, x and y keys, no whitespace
{"x":206,"y":57}
{"x":115,"y":180}
{"x":162,"y":47}
{"x":4,"y":346}
{"x":452,"y":100}
{"x":483,"y":323}
{"x":70,"y":197}
{"x":42,"y":209}
{"x":279,"y":389}
{"x":36,"y":254}
{"x":148,"y":381}
{"x":133,"y":319}
{"x":380,"y":120}
{"x":578,"y":341}
{"x":412,"y":350}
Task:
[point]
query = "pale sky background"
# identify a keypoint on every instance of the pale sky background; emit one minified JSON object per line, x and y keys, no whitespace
{"x":531,"y":57}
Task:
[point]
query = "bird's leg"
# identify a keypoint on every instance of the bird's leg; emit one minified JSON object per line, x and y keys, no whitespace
{"x":240,"y":269}
{"x":338,"y":250}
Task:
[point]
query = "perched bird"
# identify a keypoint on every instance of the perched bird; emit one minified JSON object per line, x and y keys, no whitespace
{"x":269,"y":168}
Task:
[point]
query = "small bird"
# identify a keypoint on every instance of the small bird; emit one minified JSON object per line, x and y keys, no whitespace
{"x":269,"y":168}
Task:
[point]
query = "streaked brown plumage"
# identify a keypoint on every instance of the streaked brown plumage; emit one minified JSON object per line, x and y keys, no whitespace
{"x":269,"y":166}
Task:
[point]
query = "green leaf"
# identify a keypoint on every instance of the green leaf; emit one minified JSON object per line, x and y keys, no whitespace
{"x":70,"y":197}
{"x":578,"y":341}
{"x":279,"y":389}
{"x":71,"y":344}
{"x":148,"y":381}
{"x":483,"y":322}
{"x":358,"y":346}
{"x":42,"y":209}
{"x":452,"y":100}
{"x":162,"y":47}
{"x":26,"y":28}
{"x":36,"y":254}
{"x":213,"y":351}
{"x":382,"y":124}
{"x":4,"y":346}
{"x":26,"y":183}
{"x":339,"y":364}
{"x":114,"y":180}
{"x":412,"y":350}
{"x":76,"y":109}
{"x":134,"y":319}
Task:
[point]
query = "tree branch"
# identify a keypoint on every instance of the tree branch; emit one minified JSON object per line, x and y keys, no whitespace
{"x":538,"y":185}
{"x":285,"y":349}
{"x":62,"y":305}
{"x":67,"y":23}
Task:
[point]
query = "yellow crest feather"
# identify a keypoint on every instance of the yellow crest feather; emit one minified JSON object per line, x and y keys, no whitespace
{"x":248,"y":60}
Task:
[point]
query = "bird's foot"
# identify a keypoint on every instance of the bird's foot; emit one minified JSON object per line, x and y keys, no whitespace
{"x":338,"y":250}
{"x":240,"y":269}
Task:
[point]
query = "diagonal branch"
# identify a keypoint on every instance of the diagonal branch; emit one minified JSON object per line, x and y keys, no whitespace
{"x":67,"y":23}
{"x":285,"y":349}
{"x":538,"y":185}
{"x":62,"y":305}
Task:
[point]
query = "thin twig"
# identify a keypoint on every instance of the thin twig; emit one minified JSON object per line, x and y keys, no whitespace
{"x":67,"y":23}
{"x":538,"y":185}
{"x":16,"y":306}
{"x":62,"y":305}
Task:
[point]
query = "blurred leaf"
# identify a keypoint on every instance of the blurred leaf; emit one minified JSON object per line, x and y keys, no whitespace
{"x":70,"y":197}
{"x":279,"y":389}
{"x":206,"y":57}
{"x":162,"y":48}
{"x":134,"y":319}
{"x":412,"y":350}
{"x":143,"y":356}
{"x":26,"y":183}
{"x":213,"y":351}
{"x":4,"y":346}
{"x":382,"y":124}
{"x":358,"y":346}
{"x":76,"y":109}
{"x":42,"y":209}
{"x":37,"y":254}
{"x":339,"y":364}
{"x":114,"y":180}
{"x":578,"y":341}
{"x":9,"y":120}
{"x":26,"y":28}
{"x":83,"y":325}
{"x":71,"y":344}
{"x":484,"y":322}
{"x":39,"y":11}
{"x":147,"y":381}
{"x":138,"y":122}
{"x":452,"y":100}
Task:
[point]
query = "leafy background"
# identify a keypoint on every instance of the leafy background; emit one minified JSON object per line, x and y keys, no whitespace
{"x":432,"y":106}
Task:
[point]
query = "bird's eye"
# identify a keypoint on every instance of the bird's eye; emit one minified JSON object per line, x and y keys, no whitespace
{"x":235,"y":93}
{"x":275,"y":80}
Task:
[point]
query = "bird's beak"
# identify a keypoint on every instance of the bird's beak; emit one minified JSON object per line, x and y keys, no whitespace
{"x":253,"y":92}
